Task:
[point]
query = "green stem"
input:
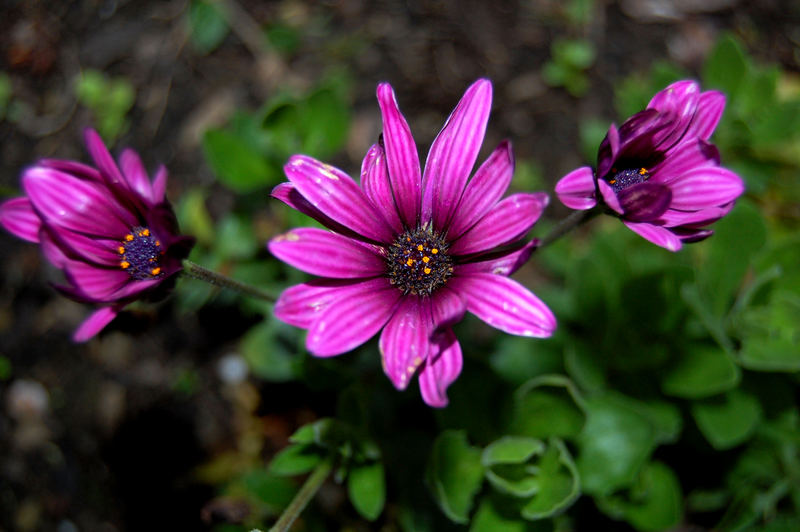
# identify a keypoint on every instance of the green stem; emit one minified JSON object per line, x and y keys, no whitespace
{"x":195,"y":271}
{"x":569,"y":223}
{"x":306,"y":493}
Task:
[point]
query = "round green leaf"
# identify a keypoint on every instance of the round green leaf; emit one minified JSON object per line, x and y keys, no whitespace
{"x":236,"y":164}
{"x":558,"y":480}
{"x":266,"y":356}
{"x":366,"y":487}
{"x":728,"y":420}
{"x":701,"y":371}
{"x":546,"y":406}
{"x":454,"y":474}
{"x":295,"y":460}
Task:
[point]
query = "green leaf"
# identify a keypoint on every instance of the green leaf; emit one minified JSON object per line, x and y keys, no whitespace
{"x":496,"y":514}
{"x":584,"y":367}
{"x":295,"y":460}
{"x":770,"y":334}
{"x":726,"y":67}
{"x":236,"y":239}
{"x":504,"y":461}
{"x":207,"y":25}
{"x":653,"y":503}
{"x":729,"y":420}
{"x":701,"y":371}
{"x":559,"y":483}
{"x":366,"y":487}
{"x":614,"y":444}
{"x":236,"y":164}
{"x":454,"y":474}
{"x":776,"y":123}
{"x":548,"y":405}
{"x":327,"y":120}
{"x":267,"y":357}
{"x":511,"y":450}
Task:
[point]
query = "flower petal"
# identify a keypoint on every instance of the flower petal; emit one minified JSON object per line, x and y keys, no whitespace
{"x":507,"y":222}
{"x":159,"y":186}
{"x":679,"y":102}
{"x":74,"y":168}
{"x":505,"y":304}
{"x":659,"y":236}
{"x":608,"y":151}
{"x":94,"y":323}
{"x":442,"y":368}
{"x":19,"y":218}
{"x":134,"y":172}
{"x":96,"y":283}
{"x":709,"y":112}
{"x":76,"y":205}
{"x":301,"y":304}
{"x":320,"y":252}
{"x":378,"y":188}
{"x":688,"y":155}
{"x":576,"y":190}
{"x":336,"y":195}
{"x":287,"y":193}
{"x":609,"y":196}
{"x":103,"y":160}
{"x":102,"y":252}
{"x":694,"y":219}
{"x":690,"y":236}
{"x":447,"y":309}
{"x":453,"y":154}
{"x":484,"y":190}
{"x":505,"y":264}
{"x":404,"y":341}
{"x":644,"y":202}
{"x":402,"y":158}
{"x":353,"y":320}
{"x":705,"y":187}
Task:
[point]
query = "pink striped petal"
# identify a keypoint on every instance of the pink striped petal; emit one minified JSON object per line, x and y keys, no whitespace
{"x":353,"y":320}
{"x":674,"y":97}
{"x":301,"y":304}
{"x":688,"y":155}
{"x":94,"y":324}
{"x":134,"y":172}
{"x":135,"y":288}
{"x":320,"y":252}
{"x":96,"y":283}
{"x":74,"y":168}
{"x":287,"y":193}
{"x":703,"y":217}
{"x":659,"y":236}
{"x":484,"y":190}
{"x":609,"y":196}
{"x":447,"y":309}
{"x":337,"y":196}
{"x":378,"y":188}
{"x":76,"y":205}
{"x":159,"y":186}
{"x":608,"y":151}
{"x":19,"y":218}
{"x":507,"y":222}
{"x":709,"y":112}
{"x":102,"y":252}
{"x":690,"y":236}
{"x":402,"y":158}
{"x":103,"y":160}
{"x":705,"y":187}
{"x":505,"y":304}
{"x":576,"y":190}
{"x":505,"y":264}
{"x":405,"y":340}
{"x":50,"y":249}
{"x":441,"y":370}
{"x":453,"y":154}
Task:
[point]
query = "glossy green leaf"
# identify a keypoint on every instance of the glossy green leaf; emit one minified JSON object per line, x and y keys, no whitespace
{"x":728,"y":420}
{"x":236,"y":164}
{"x":498,"y":514}
{"x":295,"y":460}
{"x":454,"y":474}
{"x":545,"y":406}
{"x":207,"y":24}
{"x":505,"y":462}
{"x":366,"y":488}
{"x":511,"y":450}
{"x":701,"y":371}
{"x":726,"y":66}
{"x":559,"y":483}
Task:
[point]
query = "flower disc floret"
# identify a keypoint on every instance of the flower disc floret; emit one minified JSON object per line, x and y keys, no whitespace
{"x":418,"y":263}
{"x":140,"y":254}
{"x":622,"y":179}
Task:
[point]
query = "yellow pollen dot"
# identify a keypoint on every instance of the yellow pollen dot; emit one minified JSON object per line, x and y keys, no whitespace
{"x":124,"y":264}
{"x":121,"y":250}
{"x":144,"y":232}
{"x":434,"y":251}
{"x":158,"y":243}
{"x":419,"y":247}
{"x":427,"y":271}
{"x":426,"y":260}
{"x":129,"y":237}
{"x":612,"y":181}
{"x":409,"y":262}
{"x":642,"y":171}
{"x":155,"y":271}
{"x":408,"y":239}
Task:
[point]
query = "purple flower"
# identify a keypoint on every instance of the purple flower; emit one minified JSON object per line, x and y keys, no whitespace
{"x":111,"y":232}
{"x":658,"y":172}
{"x":411,"y":252}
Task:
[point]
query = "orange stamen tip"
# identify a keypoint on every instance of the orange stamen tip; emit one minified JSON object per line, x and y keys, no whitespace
{"x":612,"y":181}
{"x":145,"y":232}
{"x":419,"y":247}
{"x":129,"y":237}
{"x":434,"y":251}
{"x":426,"y":260}
{"x":121,"y":250}
{"x":427,"y":270}
{"x":124,"y":264}
{"x":158,"y":243}
{"x":409,"y":262}
{"x":155,"y":271}
{"x":642,"y":171}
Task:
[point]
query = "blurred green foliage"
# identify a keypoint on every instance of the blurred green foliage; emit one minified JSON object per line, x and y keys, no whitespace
{"x":109,"y":100}
{"x":208,"y":26}
{"x":567,"y":67}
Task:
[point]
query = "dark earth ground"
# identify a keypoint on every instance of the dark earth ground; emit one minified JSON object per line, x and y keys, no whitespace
{"x":103,"y":436}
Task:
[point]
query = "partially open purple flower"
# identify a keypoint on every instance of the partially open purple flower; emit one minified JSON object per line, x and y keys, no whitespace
{"x":410,"y":252}
{"x":658,"y":172}
{"x":111,"y":232}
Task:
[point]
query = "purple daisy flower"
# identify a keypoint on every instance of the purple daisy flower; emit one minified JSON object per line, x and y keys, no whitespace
{"x":411,"y":252}
{"x":658,"y":172}
{"x":111,"y":232}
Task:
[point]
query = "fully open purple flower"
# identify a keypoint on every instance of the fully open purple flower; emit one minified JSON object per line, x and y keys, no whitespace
{"x":109,"y":229}
{"x":410,"y":252}
{"x":658,"y":172}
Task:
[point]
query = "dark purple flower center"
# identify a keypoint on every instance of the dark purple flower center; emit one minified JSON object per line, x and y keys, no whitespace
{"x":620,"y":180}
{"x":417,"y":262}
{"x":140,"y":253}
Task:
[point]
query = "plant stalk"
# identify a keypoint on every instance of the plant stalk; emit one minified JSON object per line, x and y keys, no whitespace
{"x":195,"y":271}
{"x":575,"y":219}
{"x":306,"y":493}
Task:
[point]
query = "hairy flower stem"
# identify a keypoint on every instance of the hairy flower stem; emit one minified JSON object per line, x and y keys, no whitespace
{"x":306,"y":493}
{"x":575,"y":219}
{"x":195,"y":271}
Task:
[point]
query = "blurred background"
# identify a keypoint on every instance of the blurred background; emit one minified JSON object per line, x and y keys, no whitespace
{"x":166,"y":420}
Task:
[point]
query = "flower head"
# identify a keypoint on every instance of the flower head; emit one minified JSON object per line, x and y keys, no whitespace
{"x":108,"y":228}
{"x":410,"y":252}
{"x":658,"y":172}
